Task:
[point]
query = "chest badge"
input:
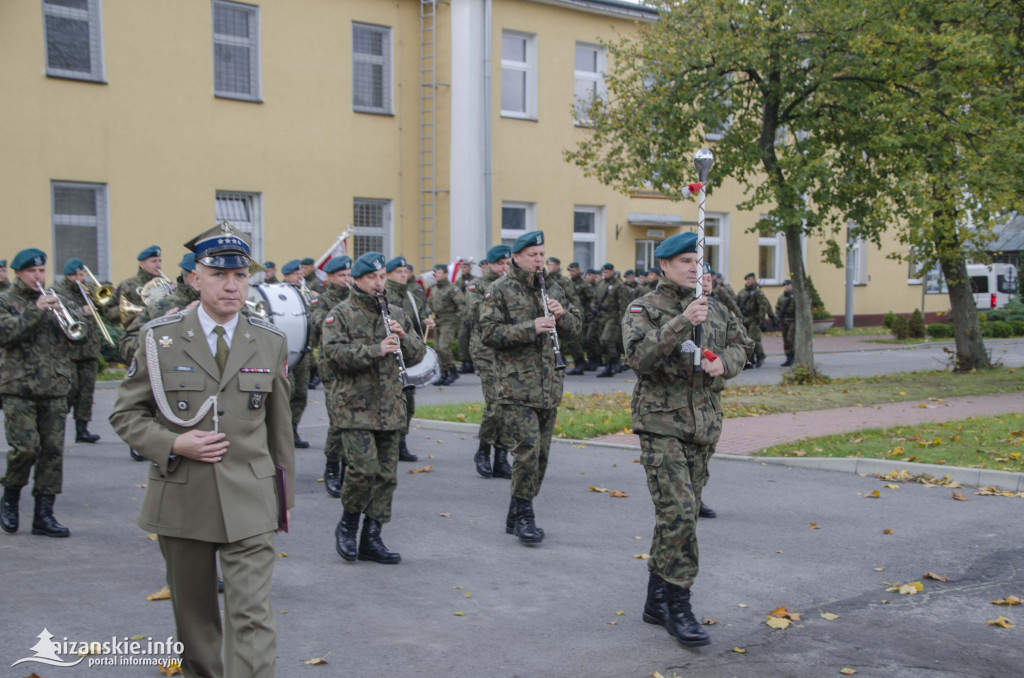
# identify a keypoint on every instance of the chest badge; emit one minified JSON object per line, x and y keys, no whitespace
{"x":256,"y":400}
{"x":182,"y":405}
{"x":166,"y":342}
{"x":190,"y":334}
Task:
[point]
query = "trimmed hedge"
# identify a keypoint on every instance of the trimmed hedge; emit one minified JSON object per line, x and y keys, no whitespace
{"x":939,"y":330}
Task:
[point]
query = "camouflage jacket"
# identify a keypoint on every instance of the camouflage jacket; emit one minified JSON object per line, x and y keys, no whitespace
{"x":367,"y":387}
{"x":89,"y":348}
{"x":315,"y":284}
{"x":568,"y":289}
{"x":418,"y":293}
{"x":626,"y":294}
{"x":669,"y":399}
{"x":475,"y":292}
{"x":398,"y":295}
{"x":33,"y":348}
{"x":129,"y":289}
{"x":183,"y":295}
{"x":446,"y":301}
{"x":606,"y":299}
{"x":320,"y":306}
{"x":785,"y":307}
{"x":5,"y":285}
{"x":754,"y":305}
{"x":524,"y":361}
{"x":725,"y":296}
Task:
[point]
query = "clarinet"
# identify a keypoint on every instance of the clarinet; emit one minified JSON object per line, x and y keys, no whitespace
{"x":559,"y":363}
{"x":382,"y":299}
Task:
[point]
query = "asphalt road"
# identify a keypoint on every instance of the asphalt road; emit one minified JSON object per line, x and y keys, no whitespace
{"x":552,"y":610}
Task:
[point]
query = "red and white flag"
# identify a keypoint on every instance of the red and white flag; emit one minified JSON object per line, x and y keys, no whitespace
{"x":453,"y":269}
{"x":338,"y":248}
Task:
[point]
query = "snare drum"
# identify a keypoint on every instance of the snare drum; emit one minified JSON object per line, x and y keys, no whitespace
{"x":425,"y":371}
{"x":286,"y":308}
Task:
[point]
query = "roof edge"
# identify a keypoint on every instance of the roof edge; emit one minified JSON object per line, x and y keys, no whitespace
{"x":615,"y":8}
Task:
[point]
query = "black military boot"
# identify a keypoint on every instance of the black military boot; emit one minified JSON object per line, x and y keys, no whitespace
{"x":656,"y":606}
{"x":789,"y":360}
{"x":82,"y":434}
{"x":372,"y":548}
{"x":577,"y":367}
{"x":706,"y":511}
{"x":502,"y":469}
{"x":466,"y":367}
{"x":299,"y":442}
{"x":593,"y":365}
{"x":510,"y":519}
{"x":43,"y":522}
{"x":9,"y":509}
{"x":525,"y":528}
{"x":314,"y":377}
{"x":446,"y":377}
{"x":607,"y":370}
{"x":453,"y":374}
{"x":482,"y":459}
{"x":403,"y":450}
{"x":345,"y":535}
{"x":680,"y":622}
{"x":332,"y":478}
{"x":759,"y":360}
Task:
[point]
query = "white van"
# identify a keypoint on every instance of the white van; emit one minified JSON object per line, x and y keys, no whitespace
{"x":993,"y":284}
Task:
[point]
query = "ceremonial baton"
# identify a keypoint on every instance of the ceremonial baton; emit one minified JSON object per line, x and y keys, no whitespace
{"x":702,"y":160}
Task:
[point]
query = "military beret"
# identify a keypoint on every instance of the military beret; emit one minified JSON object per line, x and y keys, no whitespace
{"x":592,"y":271}
{"x":221,"y":247}
{"x":676,"y":244}
{"x":27,"y":258}
{"x":3,"y":263}
{"x":368,"y":263}
{"x":269,"y":264}
{"x":528,"y":240}
{"x":750,"y":275}
{"x":629,"y":271}
{"x":787,"y":281}
{"x":707,"y":268}
{"x":395,"y":263}
{"x":655,"y":269}
{"x":409,"y":266}
{"x":151,"y":251}
{"x":555,"y":260}
{"x":441,"y":267}
{"x":73,"y":265}
{"x":290,"y":267}
{"x":336,"y":264}
{"x":574,"y":264}
{"x":308,"y":261}
{"x":640,"y":272}
{"x":188,"y":262}
{"x":498,"y":252}
{"x":608,"y":267}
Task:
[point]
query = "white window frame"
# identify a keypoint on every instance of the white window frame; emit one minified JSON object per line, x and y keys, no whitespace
{"x":386,"y":61}
{"x":594,"y":77}
{"x":913,"y":265}
{"x":100,"y":221}
{"x":529,"y":219}
{"x":245,"y":212}
{"x":720,"y":241}
{"x":93,"y":16}
{"x":252,"y":43}
{"x":778,"y":241}
{"x":383,"y":230}
{"x":597,"y":237}
{"x":530,"y":68}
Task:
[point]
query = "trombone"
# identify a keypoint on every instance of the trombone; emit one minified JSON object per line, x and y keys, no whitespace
{"x":72,"y":328}
{"x":101,"y":294}
{"x":95,"y":313}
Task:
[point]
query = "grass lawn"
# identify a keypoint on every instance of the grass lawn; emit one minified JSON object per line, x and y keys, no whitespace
{"x":588,"y":416}
{"x":995,"y":443}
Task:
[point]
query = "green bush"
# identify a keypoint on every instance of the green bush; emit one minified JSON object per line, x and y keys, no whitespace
{"x":997,"y":329}
{"x":802,"y":375}
{"x":915,"y":327}
{"x":939,"y":330}
{"x":1014,"y":310}
{"x":888,"y":320}
{"x":818,"y":311}
{"x":900,"y":327}
{"x":1018,"y":327}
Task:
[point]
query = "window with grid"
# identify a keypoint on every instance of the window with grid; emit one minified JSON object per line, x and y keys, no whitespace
{"x":236,"y":50}
{"x":244,"y":211}
{"x":371,"y":224}
{"x":587,"y":228}
{"x":589,"y":85}
{"x":516,"y":218}
{"x":518,"y":75}
{"x":80,"y":227}
{"x":74,"y":39}
{"x":769,"y":257}
{"x":371,"y":68}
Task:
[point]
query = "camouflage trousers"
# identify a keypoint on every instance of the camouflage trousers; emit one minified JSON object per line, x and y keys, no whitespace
{"x":446,"y":332}
{"x":490,"y":423}
{"x":676,"y":473}
{"x":465,"y":329}
{"x":371,"y":467}
{"x":83,"y":383}
{"x":789,"y":335}
{"x":753,"y":327}
{"x":298,"y":378}
{"x":611,"y":337}
{"x":531,"y":429}
{"x":592,"y":340}
{"x":35,"y":432}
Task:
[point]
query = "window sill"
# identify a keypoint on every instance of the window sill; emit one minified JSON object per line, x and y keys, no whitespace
{"x":370,"y":111}
{"x":515,"y":116}
{"x":229,"y":97}
{"x":92,"y":81}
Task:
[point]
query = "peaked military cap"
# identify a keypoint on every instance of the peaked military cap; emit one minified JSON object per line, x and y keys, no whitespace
{"x":395,"y":263}
{"x":27,"y":258}
{"x":368,"y":263}
{"x":188,"y":262}
{"x":528,"y":240}
{"x":220,"y":247}
{"x":676,"y":244}
{"x":308,"y":261}
{"x":498,"y":252}
{"x":73,"y":265}
{"x":290,"y":267}
{"x":151,"y":251}
{"x":336,"y":264}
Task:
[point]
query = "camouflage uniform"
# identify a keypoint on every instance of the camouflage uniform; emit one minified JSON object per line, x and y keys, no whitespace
{"x":334,"y":295}
{"x":592,"y":330}
{"x":572,"y":347}
{"x":371,"y":409}
{"x":725,"y":296}
{"x":529,"y":388}
{"x":491,"y":430}
{"x":609,"y":318}
{"x":755,"y":306}
{"x":127,"y":289}
{"x":678,"y":415}
{"x":466,"y":326}
{"x":785,"y":313}
{"x":183,"y":295}
{"x":85,"y":363}
{"x":446,"y":303}
{"x":37,"y":378}
{"x":397,"y":296}
{"x":314,"y":283}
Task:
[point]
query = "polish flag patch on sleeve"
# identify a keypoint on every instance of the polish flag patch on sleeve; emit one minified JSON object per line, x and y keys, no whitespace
{"x":487,"y":296}
{"x":636,"y":309}
{"x":329,"y":320}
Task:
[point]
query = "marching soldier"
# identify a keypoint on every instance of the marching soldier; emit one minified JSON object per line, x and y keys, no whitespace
{"x":213,"y":489}
{"x":446,"y":303}
{"x":299,"y":375}
{"x":419,"y":295}
{"x":591,"y":327}
{"x":754,"y":306}
{"x":677,"y":413}
{"x":554,"y":276}
{"x":184,"y":297}
{"x":361,"y":348}
{"x":491,"y":430}
{"x":583,"y":293}
{"x":785,"y":313}
{"x":35,"y":351}
{"x":518,"y":326}
{"x":723,"y":294}
{"x":339,"y":281}
{"x":466,"y":328}
{"x":150,"y":263}
{"x":5,"y":284}
{"x":270,"y":273}
{"x":85,"y":362}
{"x":313,"y":282}
{"x":609,"y":319}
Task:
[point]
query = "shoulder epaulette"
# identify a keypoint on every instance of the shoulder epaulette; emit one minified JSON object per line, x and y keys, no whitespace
{"x":164,"y":320}
{"x":261,"y":323}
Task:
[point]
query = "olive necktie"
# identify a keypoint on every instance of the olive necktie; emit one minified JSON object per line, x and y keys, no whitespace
{"x":221,"y":356}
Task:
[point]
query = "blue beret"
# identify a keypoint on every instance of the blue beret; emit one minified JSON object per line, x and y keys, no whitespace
{"x":528,"y":240}
{"x":640,"y":272}
{"x":629,"y":272}
{"x":188,"y":262}
{"x":368,"y":263}
{"x":592,"y":270}
{"x":151,"y":251}
{"x":395,"y":263}
{"x":750,"y":275}
{"x":73,"y":265}
{"x":574,"y":264}
{"x":290,"y":267}
{"x":3,"y":263}
{"x":787,"y":281}
{"x":336,"y":264}
{"x":269,"y":264}
{"x":221,"y":247}
{"x":308,"y":261}
{"x":27,"y":258}
{"x":441,"y":267}
{"x":498,"y":252}
{"x":655,"y":269}
{"x":555,"y":259}
{"x":676,"y":244}
{"x":608,"y":267}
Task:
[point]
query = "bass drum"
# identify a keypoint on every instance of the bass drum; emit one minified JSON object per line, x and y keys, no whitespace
{"x":425,"y":371}
{"x":284,"y":306}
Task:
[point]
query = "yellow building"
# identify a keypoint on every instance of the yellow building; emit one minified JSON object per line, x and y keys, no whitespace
{"x":432,"y":129}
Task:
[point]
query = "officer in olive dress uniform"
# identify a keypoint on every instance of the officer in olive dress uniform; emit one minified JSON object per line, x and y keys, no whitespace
{"x":85,"y":355}
{"x":361,"y":349}
{"x":446,"y":303}
{"x":785,"y":313}
{"x":150,"y":262}
{"x":205,"y":399}
{"x":677,"y":413}
{"x":514,"y":323}
{"x":299,"y":375}
{"x":36,"y":354}
{"x":754,"y":306}
{"x":339,"y":281}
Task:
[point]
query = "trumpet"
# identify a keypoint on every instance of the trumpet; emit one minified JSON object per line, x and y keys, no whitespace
{"x":407,"y":385}
{"x":95,"y":314}
{"x":559,"y":362}
{"x":101,"y":294}
{"x":72,"y":328}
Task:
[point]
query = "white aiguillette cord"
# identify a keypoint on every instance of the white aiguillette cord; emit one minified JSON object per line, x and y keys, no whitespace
{"x":156,"y":381}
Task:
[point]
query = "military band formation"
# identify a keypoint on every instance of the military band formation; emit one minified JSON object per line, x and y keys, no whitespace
{"x":216,"y":387}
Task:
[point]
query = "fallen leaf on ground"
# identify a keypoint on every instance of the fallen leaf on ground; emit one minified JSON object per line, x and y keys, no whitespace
{"x":1001,"y":622}
{"x":282,"y":554}
{"x":743,"y":605}
{"x":1008,"y":600}
{"x":879,"y":569}
{"x":162,"y":594}
{"x":847,"y":672}
{"x":908,"y":589}
{"x":597,"y":489}
{"x":936,"y":577}
{"x":782,"y":613}
{"x":458,"y":588}
{"x":620,"y":612}
{"x":142,"y":486}
{"x":891,"y":486}
{"x":152,"y":536}
{"x":887,"y":531}
{"x":316,"y":661}
{"x":642,"y":556}
{"x":814,"y":526}
{"x":708,"y":621}
{"x":612,"y":623}
{"x":446,"y":515}
{"x":174,"y":670}
{"x":136,"y":637}
{"x":425,"y":469}
{"x":959,"y":496}
{"x":873,"y":494}
{"x":777,"y":623}
{"x":740,"y":650}
{"x":617,"y":493}
{"x":828,"y":615}
{"x":459,"y":614}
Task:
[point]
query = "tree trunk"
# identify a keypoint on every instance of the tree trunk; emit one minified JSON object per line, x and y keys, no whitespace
{"x":970,"y":348}
{"x":804,"y":338}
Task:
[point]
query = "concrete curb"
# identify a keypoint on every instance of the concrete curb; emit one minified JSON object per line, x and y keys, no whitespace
{"x":1006,"y":481}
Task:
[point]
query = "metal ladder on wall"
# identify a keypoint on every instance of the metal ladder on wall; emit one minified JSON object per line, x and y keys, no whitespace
{"x":428,"y":132}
